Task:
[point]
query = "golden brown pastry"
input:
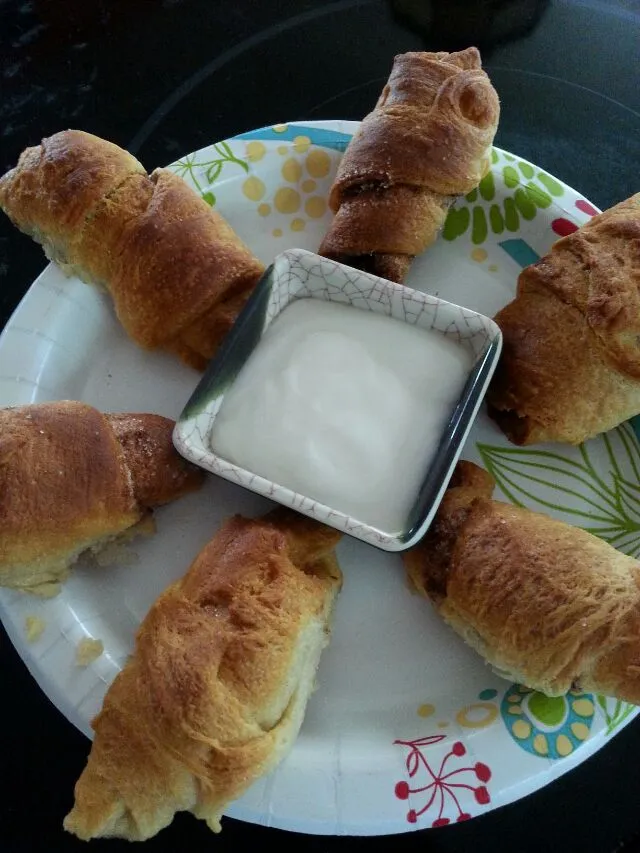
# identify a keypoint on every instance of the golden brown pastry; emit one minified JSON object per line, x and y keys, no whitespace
{"x":215,"y":692}
{"x":57,"y":186}
{"x":173,"y":266}
{"x":427,"y":141}
{"x":548,"y":605}
{"x":73,"y":479}
{"x":570,"y":365}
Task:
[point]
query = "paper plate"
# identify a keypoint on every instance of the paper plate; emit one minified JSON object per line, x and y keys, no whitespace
{"x":408,"y":727}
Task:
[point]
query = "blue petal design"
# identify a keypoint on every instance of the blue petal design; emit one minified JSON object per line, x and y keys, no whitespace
{"x":318,"y":135}
{"x":513,"y":709}
{"x":520,"y":252}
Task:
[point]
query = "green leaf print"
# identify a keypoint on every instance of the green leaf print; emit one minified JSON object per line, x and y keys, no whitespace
{"x":496,"y":219}
{"x":537,"y":196}
{"x":511,"y":215}
{"x":511,"y":177}
{"x":526,"y":208}
{"x":202,"y":174}
{"x":479,"y":228}
{"x":487,"y":187}
{"x":529,"y":189}
{"x":572,"y":487}
{"x":618,"y":714}
{"x":526,"y":169}
{"x":595,"y":486}
{"x":456,"y":223}
{"x":550,"y":184}
{"x":213,"y":172}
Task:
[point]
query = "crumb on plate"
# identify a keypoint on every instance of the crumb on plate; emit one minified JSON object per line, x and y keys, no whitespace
{"x":88,"y":650}
{"x":34,"y":627}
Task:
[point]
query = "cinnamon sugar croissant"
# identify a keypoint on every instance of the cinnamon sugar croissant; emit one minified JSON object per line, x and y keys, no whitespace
{"x":177,"y":272}
{"x":570,"y":365}
{"x":215,"y":692}
{"x":73,"y":480}
{"x":545,"y":603}
{"x":427,"y":141}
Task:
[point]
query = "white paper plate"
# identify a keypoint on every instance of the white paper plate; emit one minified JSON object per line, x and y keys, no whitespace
{"x":408,"y":727}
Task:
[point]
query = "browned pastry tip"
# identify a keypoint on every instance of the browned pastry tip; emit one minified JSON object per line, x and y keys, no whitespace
{"x":596,"y":269}
{"x":427,"y":141}
{"x":57,"y":184}
{"x":550,"y":357}
{"x":158,"y":473}
{"x":570,"y":366}
{"x":73,"y":479}
{"x":363,"y":220}
{"x":177,"y":272}
{"x":432,"y":127}
{"x":471,"y":477}
{"x":308,"y":541}
{"x":198,"y":342}
{"x":428,"y":562}
{"x":547,"y":604}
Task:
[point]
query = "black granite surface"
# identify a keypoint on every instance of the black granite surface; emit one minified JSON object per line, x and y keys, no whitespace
{"x":165,"y":77}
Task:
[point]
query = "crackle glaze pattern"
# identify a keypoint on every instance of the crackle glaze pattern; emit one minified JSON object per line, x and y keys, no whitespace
{"x":297,"y":274}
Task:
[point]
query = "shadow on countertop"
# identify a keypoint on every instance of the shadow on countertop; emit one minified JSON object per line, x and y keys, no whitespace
{"x":455,"y":24}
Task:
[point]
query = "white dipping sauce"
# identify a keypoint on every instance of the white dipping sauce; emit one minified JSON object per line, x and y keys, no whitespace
{"x":344,"y":406}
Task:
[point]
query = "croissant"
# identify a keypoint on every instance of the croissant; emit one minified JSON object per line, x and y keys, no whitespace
{"x":215,"y":692}
{"x":548,"y":605}
{"x":570,"y":365}
{"x":177,"y":272}
{"x":73,"y":479}
{"x":427,"y":141}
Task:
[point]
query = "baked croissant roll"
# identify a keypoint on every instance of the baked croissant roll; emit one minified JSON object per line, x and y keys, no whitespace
{"x":548,"y":605}
{"x":177,"y":272}
{"x":427,"y":141}
{"x":73,"y":479}
{"x":570,"y":365}
{"x":215,"y":692}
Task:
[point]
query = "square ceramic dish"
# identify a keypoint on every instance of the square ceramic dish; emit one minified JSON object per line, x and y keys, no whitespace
{"x":298,"y":274}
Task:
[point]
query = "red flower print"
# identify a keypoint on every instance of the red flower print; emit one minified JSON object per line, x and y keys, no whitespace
{"x":442,"y":787}
{"x":585,"y":207}
{"x":562,"y":227}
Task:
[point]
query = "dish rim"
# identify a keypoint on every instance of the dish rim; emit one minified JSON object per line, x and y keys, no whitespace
{"x":192,"y":431}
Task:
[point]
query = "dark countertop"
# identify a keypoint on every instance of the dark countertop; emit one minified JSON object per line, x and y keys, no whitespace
{"x":167,"y":77}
